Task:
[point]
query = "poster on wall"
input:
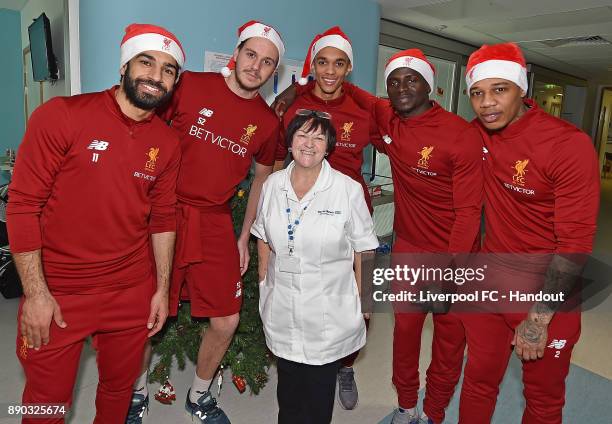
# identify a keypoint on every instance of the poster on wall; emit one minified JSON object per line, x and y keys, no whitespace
{"x":287,"y":73}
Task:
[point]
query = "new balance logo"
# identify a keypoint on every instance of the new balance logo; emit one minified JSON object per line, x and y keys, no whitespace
{"x":557,"y":344}
{"x":206,"y":112}
{"x":98,"y":145}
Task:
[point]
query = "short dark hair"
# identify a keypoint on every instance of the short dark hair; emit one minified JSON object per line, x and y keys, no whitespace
{"x":312,"y":122}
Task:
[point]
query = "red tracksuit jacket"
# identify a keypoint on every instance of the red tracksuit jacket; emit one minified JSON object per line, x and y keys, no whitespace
{"x":90,"y":185}
{"x":436,"y":162}
{"x":541,"y":186}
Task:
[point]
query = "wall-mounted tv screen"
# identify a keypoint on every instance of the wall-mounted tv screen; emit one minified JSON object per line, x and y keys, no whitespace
{"x":44,"y":66}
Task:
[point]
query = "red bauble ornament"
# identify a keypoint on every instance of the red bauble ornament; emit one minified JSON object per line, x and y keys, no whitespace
{"x":166,"y":394}
{"x":239,"y":382}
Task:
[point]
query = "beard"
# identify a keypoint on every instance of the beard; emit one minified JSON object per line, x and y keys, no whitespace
{"x":245,"y":84}
{"x":140,"y":99}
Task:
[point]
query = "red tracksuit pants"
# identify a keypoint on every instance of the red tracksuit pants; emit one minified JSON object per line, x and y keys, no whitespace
{"x":443,"y":373}
{"x":489,"y":338}
{"x":448,"y":344}
{"x":117,"y":321}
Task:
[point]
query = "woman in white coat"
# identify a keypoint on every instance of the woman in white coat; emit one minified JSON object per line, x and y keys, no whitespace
{"x":312,"y":222}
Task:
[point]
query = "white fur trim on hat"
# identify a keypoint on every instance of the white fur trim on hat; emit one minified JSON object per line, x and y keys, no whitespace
{"x":333,"y":40}
{"x":264,"y":31}
{"x":413,"y":63}
{"x":151,"y":41}
{"x":504,"y":69}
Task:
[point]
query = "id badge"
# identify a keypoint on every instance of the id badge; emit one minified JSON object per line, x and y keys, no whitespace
{"x":290,"y":264}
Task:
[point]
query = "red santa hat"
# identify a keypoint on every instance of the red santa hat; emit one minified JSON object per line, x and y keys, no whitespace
{"x":256,"y":29}
{"x":414,"y":59}
{"x":504,"y":61}
{"x":333,"y":37}
{"x":140,"y":38}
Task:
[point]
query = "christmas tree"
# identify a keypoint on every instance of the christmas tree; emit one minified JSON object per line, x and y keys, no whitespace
{"x":247,"y":356}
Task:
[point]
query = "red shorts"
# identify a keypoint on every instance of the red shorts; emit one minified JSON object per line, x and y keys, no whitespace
{"x":207,"y":260}
{"x":117,"y":320}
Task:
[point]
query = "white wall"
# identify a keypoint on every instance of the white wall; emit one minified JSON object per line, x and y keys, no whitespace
{"x":54,"y":9}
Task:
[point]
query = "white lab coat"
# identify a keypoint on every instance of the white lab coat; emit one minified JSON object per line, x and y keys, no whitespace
{"x":314,"y":317}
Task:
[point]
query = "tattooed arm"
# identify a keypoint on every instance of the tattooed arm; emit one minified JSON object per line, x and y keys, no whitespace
{"x":531,"y":334}
{"x":574,"y":170}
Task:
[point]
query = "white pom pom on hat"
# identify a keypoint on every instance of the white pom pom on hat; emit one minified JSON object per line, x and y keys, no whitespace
{"x":226,"y":71}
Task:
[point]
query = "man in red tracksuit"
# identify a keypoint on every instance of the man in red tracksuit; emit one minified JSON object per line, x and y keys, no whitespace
{"x":330,"y":56}
{"x":436,"y":162}
{"x":94,"y":182}
{"x":541,"y":200}
{"x":223,"y":126}
{"x":330,"y":59}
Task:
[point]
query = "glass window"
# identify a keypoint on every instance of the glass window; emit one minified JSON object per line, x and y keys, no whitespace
{"x":549,"y":97}
{"x":443,"y":81}
{"x":382,"y":167}
{"x":384,"y":53}
{"x":464,"y":108}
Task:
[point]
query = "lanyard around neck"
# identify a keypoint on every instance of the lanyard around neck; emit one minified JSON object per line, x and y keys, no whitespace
{"x":293,"y":224}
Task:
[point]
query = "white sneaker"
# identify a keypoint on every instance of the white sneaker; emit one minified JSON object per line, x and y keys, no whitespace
{"x":405,"y":418}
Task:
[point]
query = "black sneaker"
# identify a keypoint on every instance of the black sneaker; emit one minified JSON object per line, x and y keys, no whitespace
{"x":347,"y":388}
{"x":205,"y":410}
{"x":139,"y":405}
